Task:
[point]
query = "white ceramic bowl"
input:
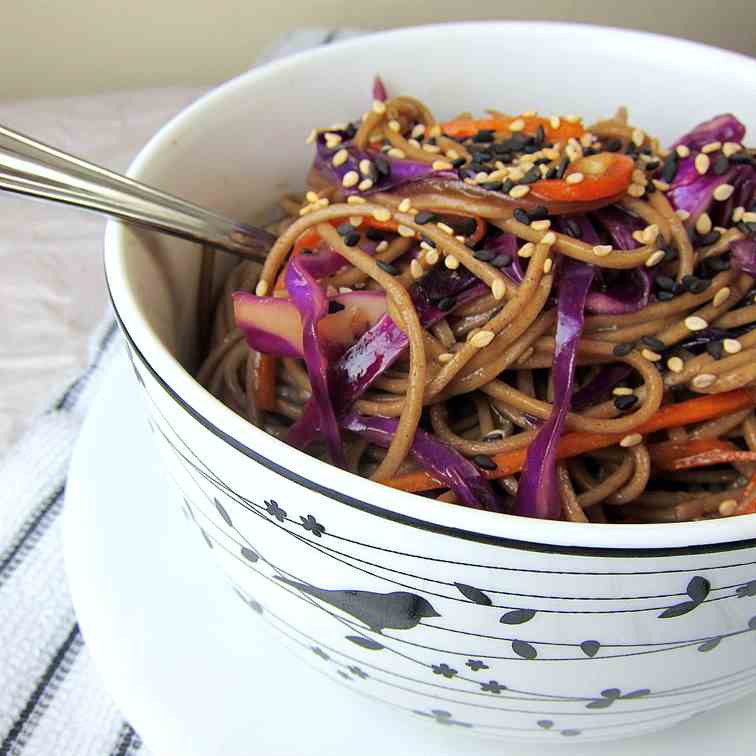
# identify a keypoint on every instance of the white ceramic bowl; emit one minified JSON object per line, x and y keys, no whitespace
{"x":485,"y":623}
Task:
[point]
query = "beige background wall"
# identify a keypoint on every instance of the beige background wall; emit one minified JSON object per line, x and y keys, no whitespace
{"x":81,"y":46}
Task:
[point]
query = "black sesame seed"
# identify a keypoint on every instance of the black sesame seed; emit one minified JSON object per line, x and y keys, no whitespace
{"x":552,"y":172}
{"x":467,"y":226}
{"x":306,"y":252}
{"x":482,"y":156}
{"x":631,"y":149}
{"x":741,"y":158}
{"x":352,"y":239}
{"x":652,"y":165}
{"x":626,"y":402}
{"x":717,"y":264}
{"x":542,"y":161}
{"x":572,"y":228}
{"x":501,"y":261}
{"x":382,"y":165}
{"x":614,"y":145}
{"x":529,"y":149}
{"x":446,"y":303}
{"x":669,"y":169}
{"x":666,"y":283}
{"x":645,"y":151}
{"x":665,"y":296}
{"x":721,"y":165}
{"x":562,"y":167}
{"x":350,"y":131}
{"x":653,"y":343}
{"x":392,"y":270}
{"x":492,"y":186}
{"x":650,"y":188}
{"x":481,"y":460}
{"x":334,"y":306}
{"x":374,"y":234}
{"x":715,"y":349}
{"x":695,"y":285}
{"x":424,"y":217}
{"x":588,"y":151}
{"x":521,"y":216}
{"x":484,"y":135}
{"x":428,"y":240}
{"x":540,"y":135}
{"x":345,"y":229}
{"x":507,"y":186}
{"x":484,"y":255}
{"x":531,"y":176}
{"x":623,"y":349}
{"x":477,"y":167}
{"x":539,"y":212}
{"x":711,"y":238}
{"x":670,"y":254}
{"x":458,"y":163}
{"x":431,"y":140}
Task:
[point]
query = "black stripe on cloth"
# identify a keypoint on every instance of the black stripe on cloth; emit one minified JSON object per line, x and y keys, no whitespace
{"x":128,"y":741}
{"x":33,"y":528}
{"x":43,"y":692}
{"x":72,"y":391}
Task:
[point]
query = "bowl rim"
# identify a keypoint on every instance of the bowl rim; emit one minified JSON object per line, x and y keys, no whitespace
{"x":634,"y":540}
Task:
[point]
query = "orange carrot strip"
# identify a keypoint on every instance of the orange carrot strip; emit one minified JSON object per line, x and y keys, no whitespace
{"x":265,"y":383}
{"x":665,"y":456}
{"x":467,"y":127}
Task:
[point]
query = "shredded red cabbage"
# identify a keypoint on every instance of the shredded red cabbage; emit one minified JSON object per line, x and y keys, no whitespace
{"x":600,"y":388}
{"x":447,"y":464}
{"x":379,"y":89}
{"x":722,"y":128}
{"x":538,"y":492}
{"x":743,"y":255}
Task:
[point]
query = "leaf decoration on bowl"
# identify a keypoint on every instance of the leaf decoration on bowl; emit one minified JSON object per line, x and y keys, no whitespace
{"x":610,"y":695}
{"x":223,"y":513}
{"x":311,"y":524}
{"x":368,"y":643}
{"x":517,"y":616}
{"x":698,"y":589}
{"x":249,"y":554}
{"x":473,"y":594}
{"x":524,"y":649}
{"x":590,"y":647}
{"x":748,"y":589}
{"x":545,"y":724}
{"x":207,"y":538}
{"x":272,"y":508}
{"x":752,"y":623}
{"x":710,"y":644}
{"x":442,"y":717}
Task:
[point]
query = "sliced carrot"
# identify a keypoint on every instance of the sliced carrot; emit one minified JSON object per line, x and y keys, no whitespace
{"x":605,"y":175}
{"x":667,"y":455}
{"x":713,"y":457}
{"x":670,"y":416}
{"x":467,"y":127}
{"x":265,"y":383}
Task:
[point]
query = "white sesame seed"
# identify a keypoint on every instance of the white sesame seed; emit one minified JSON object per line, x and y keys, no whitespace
{"x":446,"y":229}
{"x":548,"y":238}
{"x":365,"y":184}
{"x":452,"y":154}
{"x":573,"y":152}
{"x":519,"y":191}
{"x":631,"y":440}
{"x":481,"y":177}
{"x":481,"y":338}
{"x":727,"y":507}
{"x":730,"y":148}
{"x":548,"y":264}
{"x":394,"y":125}
{"x":737,"y":214}
{"x":721,"y":296}
{"x":703,"y":224}
{"x":711,"y":147}
{"x":682,"y":150}
{"x":602,"y":250}
{"x":416,"y":269}
{"x":355,"y":220}
{"x":498,"y":289}
{"x":418,"y":130}
{"x":445,"y":357}
{"x":749,"y":217}
{"x":639,"y":237}
{"x":655,"y":258}
{"x":433,"y":148}
{"x":312,"y":136}
{"x":365,"y":167}
{"x":441,"y":165}
{"x":704,"y":380}
{"x":460,"y":238}
{"x":732,"y":346}
{"x":683,"y":215}
{"x":638,"y":137}
{"x":306,"y":209}
{"x":587,"y":139}
{"x":541,"y":225}
{"x":526,"y":250}
{"x":405,"y":231}
{"x":355,"y":199}
{"x":415,"y":143}
{"x":431,"y":256}
{"x":395,"y":152}
{"x":723,"y":192}
{"x":382,"y":246}
{"x":702,"y":163}
{"x":550,"y":153}
{"x":345,"y":290}
{"x":662,"y":186}
{"x":471,"y":182}
{"x":636,"y":190}
{"x":650,"y":355}
{"x":351,"y":178}
{"x":650,"y":233}
{"x":639,"y":177}
{"x":382,"y":214}
{"x":451,"y":262}
{"x":405,"y":205}
{"x":517,"y":125}
{"x":622,"y":391}
{"x":379,"y":107}
{"x":516,"y":174}
{"x":312,"y":196}
{"x":262,"y":288}
{"x":695,"y":323}
{"x":675,"y":364}
{"x":554,"y":122}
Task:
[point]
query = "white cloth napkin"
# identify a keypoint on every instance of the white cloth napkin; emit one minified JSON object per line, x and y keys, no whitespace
{"x":52,"y":703}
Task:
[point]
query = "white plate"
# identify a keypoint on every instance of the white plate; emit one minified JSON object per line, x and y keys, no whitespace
{"x":197,"y":673}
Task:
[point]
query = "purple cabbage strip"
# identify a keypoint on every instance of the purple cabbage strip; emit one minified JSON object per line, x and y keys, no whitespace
{"x":259,"y":338}
{"x":619,"y":225}
{"x":382,"y":345}
{"x":379,"y":89}
{"x":538,"y":492}
{"x":693,"y":192}
{"x":721,"y":128}
{"x":310,"y":299}
{"x":447,"y":464}
{"x":743,"y":255}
